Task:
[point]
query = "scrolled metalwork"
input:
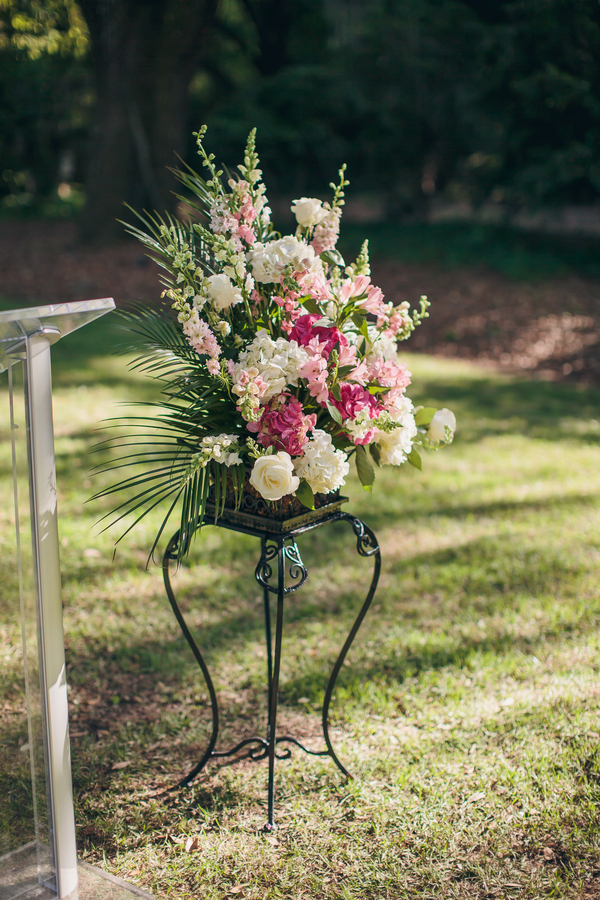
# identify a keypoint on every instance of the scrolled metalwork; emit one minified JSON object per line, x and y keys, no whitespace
{"x":297,"y":568}
{"x":264,"y":571}
{"x":366,"y":542}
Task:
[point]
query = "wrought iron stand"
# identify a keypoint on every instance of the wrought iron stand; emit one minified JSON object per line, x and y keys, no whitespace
{"x":278,"y":548}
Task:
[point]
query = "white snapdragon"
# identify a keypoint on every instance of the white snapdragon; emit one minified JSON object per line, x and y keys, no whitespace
{"x":273,"y":476}
{"x":277,"y":362}
{"x":222,"y":448}
{"x":270,"y":261}
{"x":442,"y":419}
{"x":223,"y":292}
{"x":395,"y":445}
{"x":322,"y":466}
{"x":221,"y":217}
{"x":308,"y":211}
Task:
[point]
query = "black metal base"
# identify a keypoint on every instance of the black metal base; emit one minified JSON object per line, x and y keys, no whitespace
{"x":281,"y":547}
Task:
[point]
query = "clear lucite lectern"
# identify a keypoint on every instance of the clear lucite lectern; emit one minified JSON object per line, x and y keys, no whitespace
{"x":38,"y":856}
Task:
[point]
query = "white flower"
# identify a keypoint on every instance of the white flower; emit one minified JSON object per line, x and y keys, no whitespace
{"x":220,"y":447}
{"x":308,"y":211}
{"x":442,"y":418}
{"x":322,"y":466}
{"x":223,"y":292}
{"x":273,"y":476}
{"x":277,"y":362}
{"x":270,"y":261}
{"x":359,"y":427}
{"x":395,"y":444}
{"x":385,"y":346}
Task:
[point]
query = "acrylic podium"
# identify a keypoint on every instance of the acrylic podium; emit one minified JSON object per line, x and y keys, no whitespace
{"x":38,"y":857}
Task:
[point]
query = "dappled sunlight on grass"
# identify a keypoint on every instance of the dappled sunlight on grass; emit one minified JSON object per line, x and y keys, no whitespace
{"x":468,"y":708}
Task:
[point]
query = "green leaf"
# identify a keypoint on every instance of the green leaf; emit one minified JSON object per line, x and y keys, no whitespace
{"x":335,"y":390}
{"x":310,"y":305}
{"x":366,"y":472}
{"x":345,"y":370}
{"x":377,"y":389}
{"x":361,"y":323}
{"x":375,"y":453}
{"x":333,"y":257}
{"x":334,"y":412}
{"x":305,"y":495}
{"x":424,"y":415}
{"x":414,"y":459}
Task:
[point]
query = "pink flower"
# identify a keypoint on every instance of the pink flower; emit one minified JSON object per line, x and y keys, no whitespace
{"x":347,"y":355}
{"x":353,"y":399}
{"x":356,"y":288}
{"x":315,"y":372}
{"x":387,"y":373}
{"x":246,"y":232}
{"x":305,"y":330}
{"x":284,"y":425}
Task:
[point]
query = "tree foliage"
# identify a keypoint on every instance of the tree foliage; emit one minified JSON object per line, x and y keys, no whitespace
{"x":469,"y":99}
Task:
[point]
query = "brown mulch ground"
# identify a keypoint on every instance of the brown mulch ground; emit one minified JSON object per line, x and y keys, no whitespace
{"x":550,"y":329}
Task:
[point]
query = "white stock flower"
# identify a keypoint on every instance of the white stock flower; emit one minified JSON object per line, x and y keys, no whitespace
{"x":273,"y":476}
{"x":442,"y":418}
{"x":385,"y":345}
{"x":270,"y":261}
{"x":395,"y":445}
{"x":322,"y":466}
{"x":223,"y":292}
{"x":277,"y":362}
{"x":308,"y":211}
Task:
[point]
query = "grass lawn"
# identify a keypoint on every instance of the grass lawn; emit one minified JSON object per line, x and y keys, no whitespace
{"x":469,"y":708}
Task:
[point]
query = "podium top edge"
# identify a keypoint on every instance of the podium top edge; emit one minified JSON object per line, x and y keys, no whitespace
{"x":56,"y":310}
{"x":56,"y":321}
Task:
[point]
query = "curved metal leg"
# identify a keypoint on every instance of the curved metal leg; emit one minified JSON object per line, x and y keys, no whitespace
{"x":170,"y":555}
{"x":366,"y":545}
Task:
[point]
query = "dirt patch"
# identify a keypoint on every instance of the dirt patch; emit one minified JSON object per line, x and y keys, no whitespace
{"x":549,"y":329}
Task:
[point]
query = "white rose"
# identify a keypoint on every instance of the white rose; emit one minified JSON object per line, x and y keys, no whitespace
{"x":437,"y":427}
{"x":273,"y":476}
{"x":308,"y":211}
{"x":223,"y":292}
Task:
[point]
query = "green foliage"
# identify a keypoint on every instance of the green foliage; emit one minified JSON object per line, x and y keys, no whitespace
{"x":305,"y":495}
{"x":54,"y":26}
{"x":364,"y":469}
{"x":163,"y":451}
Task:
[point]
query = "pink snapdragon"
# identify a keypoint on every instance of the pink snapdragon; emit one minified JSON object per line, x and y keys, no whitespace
{"x":284,"y":425}
{"x":292,"y":310}
{"x":399,"y":319}
{"x":326,"y":233}
{"x":203,"y":341}
{"x":249,"y":387}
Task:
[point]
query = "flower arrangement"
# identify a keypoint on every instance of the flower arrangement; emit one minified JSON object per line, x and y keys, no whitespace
{"x":277,"y":361}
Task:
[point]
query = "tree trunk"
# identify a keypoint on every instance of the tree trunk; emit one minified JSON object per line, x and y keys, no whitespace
{"x":144,"y":54}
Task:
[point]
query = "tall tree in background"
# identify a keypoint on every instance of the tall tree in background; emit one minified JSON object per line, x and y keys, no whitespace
{"x":144,"y":54}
